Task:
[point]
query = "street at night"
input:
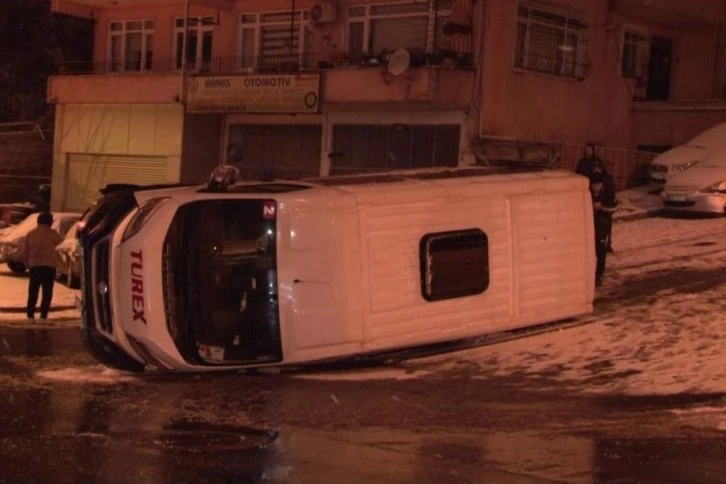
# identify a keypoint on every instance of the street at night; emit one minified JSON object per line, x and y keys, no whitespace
{"x":636,"y":394}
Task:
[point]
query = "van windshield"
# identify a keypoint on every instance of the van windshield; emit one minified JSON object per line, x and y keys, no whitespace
{"x":220,"y":282}
{"x":714,"y":137}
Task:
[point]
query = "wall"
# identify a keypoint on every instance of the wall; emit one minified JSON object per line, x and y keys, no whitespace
{"x":527,"y":105}
{"x":202,"y":140}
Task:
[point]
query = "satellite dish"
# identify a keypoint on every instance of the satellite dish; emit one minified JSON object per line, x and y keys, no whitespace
{"x":398,"y":62}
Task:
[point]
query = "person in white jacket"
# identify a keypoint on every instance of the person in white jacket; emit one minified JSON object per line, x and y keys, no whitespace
{"x":40,"y":257}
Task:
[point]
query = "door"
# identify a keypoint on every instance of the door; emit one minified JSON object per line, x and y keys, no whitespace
{"x":371,"y":148}
{"x":267,"y":151}
{"x":87,"y":174}
{"x":659,"y":69}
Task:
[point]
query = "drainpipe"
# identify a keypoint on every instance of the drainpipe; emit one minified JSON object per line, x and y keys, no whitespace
{"x":183,"y":76}
{"x":292,"y":30}
{"x":480,"y":71}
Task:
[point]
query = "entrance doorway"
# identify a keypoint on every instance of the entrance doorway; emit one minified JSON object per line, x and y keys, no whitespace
{"x":659,"y":69}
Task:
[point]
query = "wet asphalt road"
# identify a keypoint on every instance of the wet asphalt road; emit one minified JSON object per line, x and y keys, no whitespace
{"x":66,"y":419}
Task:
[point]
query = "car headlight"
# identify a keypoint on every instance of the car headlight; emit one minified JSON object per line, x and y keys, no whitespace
{"x":144,"y":212}
{"x":683,"y":166}
{"x":715,"y":188}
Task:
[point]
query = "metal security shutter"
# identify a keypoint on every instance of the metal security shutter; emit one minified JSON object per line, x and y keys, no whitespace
{"x":371,"y":148}
{"x":89,"y":173}
{"x":276,"y":151}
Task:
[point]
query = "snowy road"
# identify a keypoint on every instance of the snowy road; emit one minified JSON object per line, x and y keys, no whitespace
{"x":637,"y":396}
{"x":661,"y":328}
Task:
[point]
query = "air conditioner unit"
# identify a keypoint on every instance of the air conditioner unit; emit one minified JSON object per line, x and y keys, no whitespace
{"x":323,"y":12}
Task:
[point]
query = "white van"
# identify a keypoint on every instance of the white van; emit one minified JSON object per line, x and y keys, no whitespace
{"x":687,"y":155}
{"x":289,"y":272}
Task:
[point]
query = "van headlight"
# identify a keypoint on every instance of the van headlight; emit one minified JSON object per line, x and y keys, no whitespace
{"x":144,"y":213}
{"x":683,"y":166}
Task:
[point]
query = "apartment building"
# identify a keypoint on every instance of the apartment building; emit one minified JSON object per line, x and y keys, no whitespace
{"x":291,"y":88}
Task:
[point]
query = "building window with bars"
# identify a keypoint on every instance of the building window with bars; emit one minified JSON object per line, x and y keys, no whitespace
{"x":275,"y":41}
{"x":552,"y":43}
{"x":375,"y":30}
{"x":636,"y":49}
{"x":131,"y":45}
{"x":200,"y":32}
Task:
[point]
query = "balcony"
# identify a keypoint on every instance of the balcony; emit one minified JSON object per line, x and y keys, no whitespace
{"x":445,"y":77}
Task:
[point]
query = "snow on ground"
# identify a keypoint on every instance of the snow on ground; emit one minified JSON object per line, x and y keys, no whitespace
{"x":661,"y":327}
{"x":15,"y":294}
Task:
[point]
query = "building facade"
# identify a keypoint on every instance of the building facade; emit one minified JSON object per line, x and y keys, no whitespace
{"x":291,"y":88}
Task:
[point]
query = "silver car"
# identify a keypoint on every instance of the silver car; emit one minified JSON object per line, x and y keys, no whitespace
{"x":700,"y":189}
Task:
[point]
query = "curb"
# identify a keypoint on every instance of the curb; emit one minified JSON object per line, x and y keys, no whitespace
{"x":638,"y":216}
{"x":22,"y":310}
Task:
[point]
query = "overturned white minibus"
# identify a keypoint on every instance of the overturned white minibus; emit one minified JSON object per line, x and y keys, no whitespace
{"x":289,"y":272}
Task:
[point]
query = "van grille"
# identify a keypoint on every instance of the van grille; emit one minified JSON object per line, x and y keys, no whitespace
{"x":101,"y":286}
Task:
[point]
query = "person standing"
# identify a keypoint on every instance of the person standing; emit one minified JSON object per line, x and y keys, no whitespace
{"x":40,"y":257}
{"x":586,"y":165}
{"x":604,"y":203}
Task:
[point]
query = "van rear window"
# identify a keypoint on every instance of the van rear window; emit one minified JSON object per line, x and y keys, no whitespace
{"x":454,"y":264}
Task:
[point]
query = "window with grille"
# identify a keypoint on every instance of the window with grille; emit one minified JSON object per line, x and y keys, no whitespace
{"x":636,"y":47}
{"x":131,"y":44}
{"x":271,"y":40}
{"x":200,"y":33}
{"x":553,"y":43}
{"x":373,"y":30}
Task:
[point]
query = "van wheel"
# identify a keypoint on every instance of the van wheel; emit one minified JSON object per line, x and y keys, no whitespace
{"x":16,"y":267}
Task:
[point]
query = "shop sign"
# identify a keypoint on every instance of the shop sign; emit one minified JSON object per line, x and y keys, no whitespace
{"x":247,"y":93}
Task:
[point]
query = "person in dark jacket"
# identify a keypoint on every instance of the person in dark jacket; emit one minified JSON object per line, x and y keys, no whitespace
{"x":40,"y":256}
{"x":586,"y":165}
{"x":604,"y":203}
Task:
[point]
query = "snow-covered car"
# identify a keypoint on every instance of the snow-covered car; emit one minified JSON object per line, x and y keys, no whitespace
{"x":700,"y":189}
{"x":11,"y":241}
{"x":687,"y":155}
{"x":69,"y":257}
{"x":14,"y":213}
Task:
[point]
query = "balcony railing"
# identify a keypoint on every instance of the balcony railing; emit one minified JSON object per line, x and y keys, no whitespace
{"x":267,"y":63}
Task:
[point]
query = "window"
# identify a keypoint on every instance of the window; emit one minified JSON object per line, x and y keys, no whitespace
{"x":379,"y":29}
{"x":275,"y":40}
{"x":636,"y":47}
{"x":454,"y":264}
{"x":199,"y":43}
{"x":131,"y":44}
{"x":551,"y":42}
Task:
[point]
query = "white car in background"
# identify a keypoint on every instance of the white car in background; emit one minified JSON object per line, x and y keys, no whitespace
{"x":12,"y":240}
{"x":687,"y":155}
{"x":700,"y":189}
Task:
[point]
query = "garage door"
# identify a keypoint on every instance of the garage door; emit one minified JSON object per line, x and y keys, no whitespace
{"x":372,"y":148}
{"x":87,"y":174}
{"x":275,"y":151}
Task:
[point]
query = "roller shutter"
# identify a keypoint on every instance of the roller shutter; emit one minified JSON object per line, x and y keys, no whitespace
{"x":89,"y":173}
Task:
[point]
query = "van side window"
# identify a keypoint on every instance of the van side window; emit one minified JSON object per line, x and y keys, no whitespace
{"x":454,"y":264}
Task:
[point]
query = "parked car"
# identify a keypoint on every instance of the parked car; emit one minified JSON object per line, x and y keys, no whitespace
{"x":701,"y":189}
{"x":685,"y":156}
{"x":11,"y":241}
{"x":14,"y":213}
{"x":69,"y":257}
